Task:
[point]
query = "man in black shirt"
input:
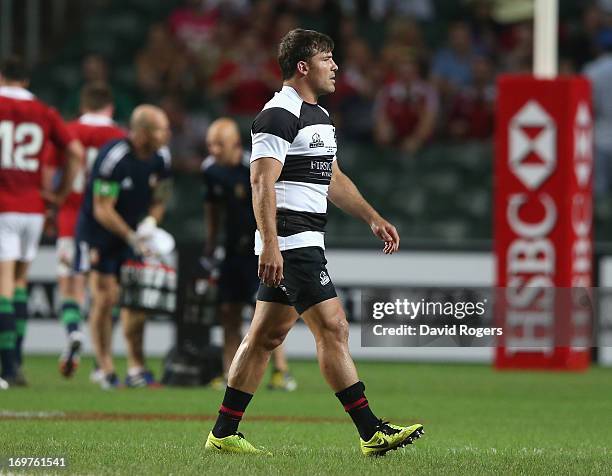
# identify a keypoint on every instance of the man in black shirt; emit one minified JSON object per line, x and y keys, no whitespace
{"x":228,"y":192}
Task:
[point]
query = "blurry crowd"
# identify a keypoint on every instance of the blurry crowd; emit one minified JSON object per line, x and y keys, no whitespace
{"x":406,"y":77}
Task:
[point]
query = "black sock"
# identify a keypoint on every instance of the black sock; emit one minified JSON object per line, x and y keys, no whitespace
{"x":231,"y":411}
{"x":357,"y":406}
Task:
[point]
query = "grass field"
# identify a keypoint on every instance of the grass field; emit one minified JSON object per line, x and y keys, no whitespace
{"x":477,"y":421}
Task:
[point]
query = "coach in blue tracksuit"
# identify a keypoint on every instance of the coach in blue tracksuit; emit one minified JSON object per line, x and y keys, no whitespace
{"x":124,"y":200}
{"x":228,"y":192}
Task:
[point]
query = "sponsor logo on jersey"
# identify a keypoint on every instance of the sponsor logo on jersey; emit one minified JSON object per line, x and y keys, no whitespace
{"x":127,"y":183}
{"x":316,"y":141}
{"x":324,"y":278}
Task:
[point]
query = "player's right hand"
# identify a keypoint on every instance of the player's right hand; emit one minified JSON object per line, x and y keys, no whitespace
{"x":139,"y":244}
{"x":270,"y":269}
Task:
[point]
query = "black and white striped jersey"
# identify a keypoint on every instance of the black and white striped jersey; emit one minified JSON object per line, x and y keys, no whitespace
{"x":302,"y":137}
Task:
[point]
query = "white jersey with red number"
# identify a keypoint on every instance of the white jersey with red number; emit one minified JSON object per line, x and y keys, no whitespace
{"x":27,"y":128}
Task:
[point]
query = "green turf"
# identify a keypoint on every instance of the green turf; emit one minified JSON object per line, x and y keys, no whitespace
{"x":477,"y":421}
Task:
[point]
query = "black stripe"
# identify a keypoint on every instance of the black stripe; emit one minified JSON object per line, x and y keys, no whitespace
{"x":311,"y":115}
{"x":277,"y":121}
{"x":307,"y":168}
{"x":290,"y":222}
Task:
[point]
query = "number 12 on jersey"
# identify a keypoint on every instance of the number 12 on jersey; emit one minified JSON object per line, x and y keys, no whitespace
{"x":20,"y":145}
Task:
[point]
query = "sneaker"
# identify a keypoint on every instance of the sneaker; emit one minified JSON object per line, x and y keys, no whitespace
{"x":141,"y":379}
{"x":96,"y":375}
{"x":110,"y":382}
{"x":282,"y":381}
{"x":218,"y":383}
{"x":70,"y":358}
{"x":3,"y":384}
{"x":390,"y":437}
{"x":19,"y":380}
{"x":232,"y":444}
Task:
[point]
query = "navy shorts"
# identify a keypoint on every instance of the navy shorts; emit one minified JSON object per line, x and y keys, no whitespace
{"x":106,"y":258}
{"x":238,"y":279}
{"x":306,"y":282}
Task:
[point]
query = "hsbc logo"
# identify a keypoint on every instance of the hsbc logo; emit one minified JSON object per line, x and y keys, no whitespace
{"x":583,"y":144}
{"x":532,"y":143}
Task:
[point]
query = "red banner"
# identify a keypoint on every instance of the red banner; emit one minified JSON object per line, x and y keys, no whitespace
{"x":543,"y":220}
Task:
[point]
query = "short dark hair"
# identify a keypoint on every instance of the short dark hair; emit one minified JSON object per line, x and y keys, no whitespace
{"x":301,"y":45}
{"x":96,"y":95}
{"x":14,"y":69}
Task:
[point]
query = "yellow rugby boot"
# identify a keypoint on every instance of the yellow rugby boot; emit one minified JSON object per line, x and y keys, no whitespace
{"x":390,"y":437}
{"x":235,"y":443}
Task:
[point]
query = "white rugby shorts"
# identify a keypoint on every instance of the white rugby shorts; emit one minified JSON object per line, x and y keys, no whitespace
{"x":19,"y":235}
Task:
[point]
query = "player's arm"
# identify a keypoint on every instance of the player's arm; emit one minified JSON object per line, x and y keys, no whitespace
{"x":426,"y":125}
{"x":73,"y":151}
{"x":105,"y":195}
{"x":344,"y":194}
{"x":211,"y":220}
{"x":264,"y":173}
{"x":75,"y":155}
{"x":161,"y":196}
{"x":213,"y":196}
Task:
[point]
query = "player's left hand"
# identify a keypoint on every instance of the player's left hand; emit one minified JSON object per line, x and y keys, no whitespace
{"x":52,"y":198}
{"x":386,"y":232}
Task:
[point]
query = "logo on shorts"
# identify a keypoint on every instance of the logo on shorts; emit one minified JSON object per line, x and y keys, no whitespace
{"x":284,"y":289}
{"x":316,"y":141}
{"x":324,"y":278}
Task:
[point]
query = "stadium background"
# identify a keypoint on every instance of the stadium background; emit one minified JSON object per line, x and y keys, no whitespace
{"x":200,"y":60}
{"x":438,"y":193}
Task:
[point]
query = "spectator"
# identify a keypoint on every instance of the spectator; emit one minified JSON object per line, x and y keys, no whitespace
{"x":406,"y":109}
{"x":452,"y":65}
{"x":600,"y":74}
{"x":319,"y":15}
{"x":161,"y":65}
{"x":95,"y":68}
{"x":187,"y":143}
{"x":262,"y":21}
{"x":248,"y":79}
{"x":519,"y":58}
{"x":581,"y":46}
{"x":283,"y":24}
{"x":355,"y":91}
{"x":403,"y":35}
{"x":485,"y":29}
{"x":194,"y":23}
{"x":422,"y":10}
{"x":472,"y":113}
{"x":207,"y":61}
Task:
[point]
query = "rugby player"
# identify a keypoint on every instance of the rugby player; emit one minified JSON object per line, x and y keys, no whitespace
{"x":124,"y":200}
{"x":94,"y":128}
{"x":27,"y":128}
{"x":228,"y":193}
{"x":294,"y":172}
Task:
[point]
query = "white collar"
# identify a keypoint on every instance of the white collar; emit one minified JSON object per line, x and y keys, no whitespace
{"x":15,"y":92}
{"x":93,"y":119}
{"x":290,"y":91}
